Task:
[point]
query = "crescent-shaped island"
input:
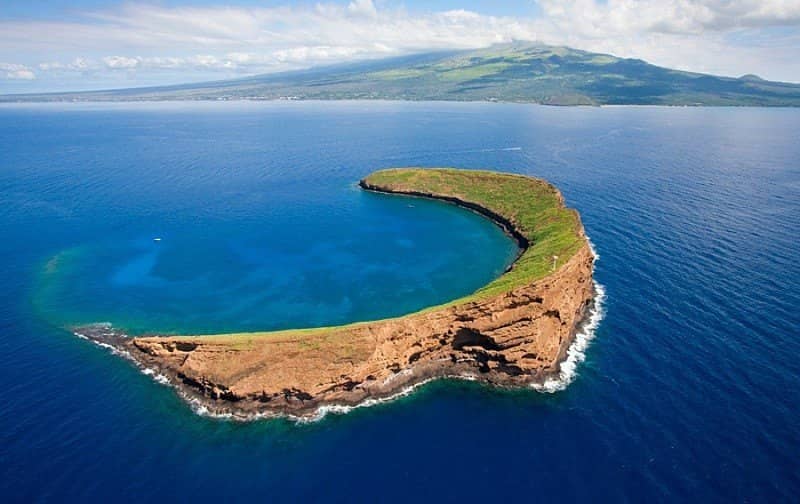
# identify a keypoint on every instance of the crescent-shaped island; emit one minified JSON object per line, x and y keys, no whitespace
{"x":513,"y":332}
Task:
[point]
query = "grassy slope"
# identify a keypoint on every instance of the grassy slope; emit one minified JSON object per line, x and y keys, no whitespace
{"x":533,"y":205}
{"x":564,"y":76}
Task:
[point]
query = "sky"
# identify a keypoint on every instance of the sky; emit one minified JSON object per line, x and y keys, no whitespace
{"x":63,"y":45}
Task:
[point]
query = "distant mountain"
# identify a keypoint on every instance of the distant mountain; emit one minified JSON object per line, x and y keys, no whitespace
{"x":516,"y":72}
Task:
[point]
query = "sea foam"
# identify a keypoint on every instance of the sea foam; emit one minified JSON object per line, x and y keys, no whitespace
{"x":576,"y":353}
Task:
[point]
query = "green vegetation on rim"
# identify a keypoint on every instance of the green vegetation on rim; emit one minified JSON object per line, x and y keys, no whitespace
{"x":533,"y":206}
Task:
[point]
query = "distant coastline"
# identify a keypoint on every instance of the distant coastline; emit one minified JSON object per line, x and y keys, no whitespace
{"x":507,"y":73}
{"x":515,"y":331}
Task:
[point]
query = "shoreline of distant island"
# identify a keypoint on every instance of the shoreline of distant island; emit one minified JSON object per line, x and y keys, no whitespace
{"x":508,"y":73}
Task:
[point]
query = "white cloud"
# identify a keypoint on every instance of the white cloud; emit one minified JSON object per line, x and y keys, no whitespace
{"x":14,"y":71}
{"x":121,"y":62}
{"x":163,"y":63}
{"x":362,"y":8}
{"x":721,"y":36}
{"x":77,"y":64}
{"x":615,"y":17}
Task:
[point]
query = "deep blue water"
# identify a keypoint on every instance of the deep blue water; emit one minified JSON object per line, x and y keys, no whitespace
{"x":690,"y":390}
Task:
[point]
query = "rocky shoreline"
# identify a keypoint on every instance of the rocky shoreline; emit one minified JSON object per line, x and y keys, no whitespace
{"x":514,"y":339}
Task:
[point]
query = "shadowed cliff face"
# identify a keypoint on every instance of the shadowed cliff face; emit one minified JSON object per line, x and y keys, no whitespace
{"x":515,"y":338}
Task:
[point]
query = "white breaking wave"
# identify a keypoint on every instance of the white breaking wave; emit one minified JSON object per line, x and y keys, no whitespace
{"x":576,"y":353}
{"x":160,"y":378}
{"x":111,"y":348}
{"x":321,"y":412}
{"x":339,"y":409}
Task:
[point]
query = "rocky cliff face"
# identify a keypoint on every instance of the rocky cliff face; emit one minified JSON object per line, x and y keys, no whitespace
{"x":513,"y":339}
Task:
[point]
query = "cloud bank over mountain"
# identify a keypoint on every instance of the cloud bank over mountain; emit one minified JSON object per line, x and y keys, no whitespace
{"x":143,"y":44}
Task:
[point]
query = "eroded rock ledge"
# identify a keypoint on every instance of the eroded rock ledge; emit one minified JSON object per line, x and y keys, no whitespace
{"x":512,"y":338}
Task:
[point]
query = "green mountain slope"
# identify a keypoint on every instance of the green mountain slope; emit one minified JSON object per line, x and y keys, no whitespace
{"x":518,"y":72}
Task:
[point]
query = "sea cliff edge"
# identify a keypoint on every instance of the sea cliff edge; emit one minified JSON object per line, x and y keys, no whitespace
{"x":514,"y":332}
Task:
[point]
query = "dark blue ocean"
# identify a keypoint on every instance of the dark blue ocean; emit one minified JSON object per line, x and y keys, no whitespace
{"x":690,"y":390}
